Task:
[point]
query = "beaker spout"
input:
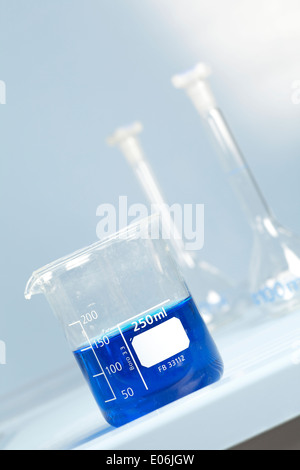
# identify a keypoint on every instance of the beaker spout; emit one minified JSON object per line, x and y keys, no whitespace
{"x":31,"y":288}
{"x":35,"y":284}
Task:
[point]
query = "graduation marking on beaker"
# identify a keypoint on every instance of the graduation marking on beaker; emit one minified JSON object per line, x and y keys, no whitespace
{"x":132,"y":318}
{"x":97,"y":359}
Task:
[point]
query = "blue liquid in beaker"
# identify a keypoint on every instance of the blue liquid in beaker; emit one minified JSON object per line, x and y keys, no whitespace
{"x":129,"y":381}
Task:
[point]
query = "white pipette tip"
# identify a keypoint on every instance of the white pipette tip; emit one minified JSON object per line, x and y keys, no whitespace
{"x":200,"y":72}
{"x":197,"y":87}
{"x":122,"y":133}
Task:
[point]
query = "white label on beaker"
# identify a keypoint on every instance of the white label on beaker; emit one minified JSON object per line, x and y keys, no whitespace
{"x":161,"y":342}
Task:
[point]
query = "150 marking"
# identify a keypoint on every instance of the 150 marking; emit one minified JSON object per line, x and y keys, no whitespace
{"x":104,"y":341}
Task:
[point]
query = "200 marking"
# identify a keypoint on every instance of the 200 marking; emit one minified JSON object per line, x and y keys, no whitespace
{"x":89,"y":317}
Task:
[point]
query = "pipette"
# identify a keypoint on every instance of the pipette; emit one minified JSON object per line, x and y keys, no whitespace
{"x":213,"y":293}
{"x":274,"y":275}
{"x":126,"y":138}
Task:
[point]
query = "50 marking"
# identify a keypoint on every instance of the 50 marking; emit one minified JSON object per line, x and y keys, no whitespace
{"x":127,"y":393}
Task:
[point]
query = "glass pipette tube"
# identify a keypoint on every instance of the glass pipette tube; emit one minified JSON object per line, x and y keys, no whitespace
{"x":131,"y":148}
{"x":213,"y":293}
{"x":274,"y":277}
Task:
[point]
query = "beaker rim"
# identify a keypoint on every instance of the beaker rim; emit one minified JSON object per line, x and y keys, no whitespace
{"x":42,"y":274}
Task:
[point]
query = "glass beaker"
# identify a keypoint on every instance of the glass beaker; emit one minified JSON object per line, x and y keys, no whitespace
{"x":130,"y":321}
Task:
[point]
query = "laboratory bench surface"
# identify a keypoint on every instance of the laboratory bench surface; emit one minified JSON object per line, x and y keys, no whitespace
{"x":260,"y":390}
